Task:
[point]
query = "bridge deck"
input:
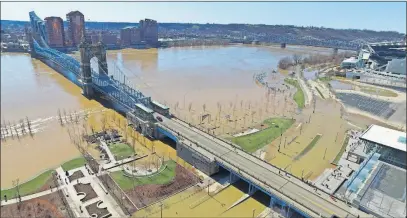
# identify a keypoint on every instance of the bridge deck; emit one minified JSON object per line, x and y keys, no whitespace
{"x":290,"y":190}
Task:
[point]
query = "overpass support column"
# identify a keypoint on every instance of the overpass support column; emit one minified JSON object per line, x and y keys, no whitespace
{"x":233,"y":178}
{"x":252,"y":189}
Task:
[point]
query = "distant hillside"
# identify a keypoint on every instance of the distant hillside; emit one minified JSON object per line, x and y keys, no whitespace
{"x":316,"y":36}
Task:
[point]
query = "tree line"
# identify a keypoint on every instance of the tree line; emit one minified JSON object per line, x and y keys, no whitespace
{"x":313,"y":59}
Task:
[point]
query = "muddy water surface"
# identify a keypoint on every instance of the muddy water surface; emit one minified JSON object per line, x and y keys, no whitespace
{"x":177,"y":76}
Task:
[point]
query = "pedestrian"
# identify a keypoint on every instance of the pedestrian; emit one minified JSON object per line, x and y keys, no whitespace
{"x":50,"y":187}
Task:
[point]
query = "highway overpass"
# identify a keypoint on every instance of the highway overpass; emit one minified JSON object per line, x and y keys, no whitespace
{"x":265,"y":177}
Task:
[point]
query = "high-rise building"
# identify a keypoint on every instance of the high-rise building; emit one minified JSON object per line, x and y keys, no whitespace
{"x":55,"y":31}
{"x":125,"y":36}
{"x":76,"y":27}
{"x":149,"y":31}
{"x":130,"y":36}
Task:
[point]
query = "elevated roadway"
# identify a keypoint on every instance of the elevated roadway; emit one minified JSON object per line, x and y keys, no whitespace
{"x":294,"y":192}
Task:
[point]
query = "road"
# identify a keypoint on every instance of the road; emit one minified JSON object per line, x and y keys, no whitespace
{"x":260,"y":173}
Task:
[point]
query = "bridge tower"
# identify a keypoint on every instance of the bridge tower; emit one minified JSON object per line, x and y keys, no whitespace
{"x":88,"y":51}
{"x":29,"y":34}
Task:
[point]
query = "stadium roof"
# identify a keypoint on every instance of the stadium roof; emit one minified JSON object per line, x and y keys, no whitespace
{"x":385,"y":137}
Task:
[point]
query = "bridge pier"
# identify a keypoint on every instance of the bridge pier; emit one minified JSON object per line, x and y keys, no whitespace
{"x":252,"y":189}
{"x":86,"y":71}
{"x":233,"y":178}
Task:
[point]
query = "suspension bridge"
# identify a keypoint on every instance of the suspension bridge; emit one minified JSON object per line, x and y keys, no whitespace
{"x":204,"y":151}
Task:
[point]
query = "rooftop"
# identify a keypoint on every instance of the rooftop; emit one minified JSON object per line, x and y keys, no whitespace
{"x":385,"y":137}
{"x":144,"y":108}
{"x":351,"y":60}
{"x":160,"y":105}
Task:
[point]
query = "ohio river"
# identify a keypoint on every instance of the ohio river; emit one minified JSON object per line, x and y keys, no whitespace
{"x":197,"y":76}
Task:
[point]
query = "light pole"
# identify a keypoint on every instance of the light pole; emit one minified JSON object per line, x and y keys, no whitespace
{"x":161,"y":205}
{"x":184,"y":98}
{"x":253,"y":212}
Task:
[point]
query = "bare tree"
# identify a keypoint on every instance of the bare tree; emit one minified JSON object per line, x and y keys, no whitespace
{"x":16,"y":184}
{"x":22,"y":126}
{"x":297,"y":59}
{"x":70,"y":117}
{"x":190,"y":107}
{"x":15,"y":129}
{"x":65,"y":116}
{"x":76,"y":117}
{"x":285,"y":62}
{"x":60,"y":117}
{"x":103,"y":121}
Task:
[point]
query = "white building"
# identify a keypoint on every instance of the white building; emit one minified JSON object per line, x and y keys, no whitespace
{"x":390,"y":143}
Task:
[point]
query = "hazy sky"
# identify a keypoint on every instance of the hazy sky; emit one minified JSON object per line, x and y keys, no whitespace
{"x":357,"y":15}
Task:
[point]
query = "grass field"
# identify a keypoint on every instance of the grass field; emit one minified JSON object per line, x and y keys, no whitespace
{"x":163,"y":177}
{"x":299,"y":94}
{"x":74,"y":163}
{"x":121,"y":150}
{"x":377,"y":91}
{"x":308,"y":148}
{"x":29,"y":187}
{"x":255,"y":141}
{"x":339,"y":155}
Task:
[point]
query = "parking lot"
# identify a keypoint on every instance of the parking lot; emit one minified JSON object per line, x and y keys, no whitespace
{"x":373,"y":106}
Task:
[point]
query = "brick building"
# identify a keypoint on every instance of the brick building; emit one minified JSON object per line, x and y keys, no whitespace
{"x":55,"y":32}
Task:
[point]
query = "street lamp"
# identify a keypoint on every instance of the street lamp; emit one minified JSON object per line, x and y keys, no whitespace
{"x":253,"y":212}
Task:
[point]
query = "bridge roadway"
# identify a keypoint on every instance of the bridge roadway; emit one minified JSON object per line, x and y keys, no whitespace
{"x":291,"y":190}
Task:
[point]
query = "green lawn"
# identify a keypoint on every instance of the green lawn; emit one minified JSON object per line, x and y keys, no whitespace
{"x":74,"y":163}
{"x":325,"y":79}
{"x":377,"y":91}
{"x":309,"y":147}
{"x":29,"y":187}
{"x":121,"y":150}
{"x":163,"y":177}
{"x":299,"y":94}
{"x":255,"y":141}
{"x":339,"y":155}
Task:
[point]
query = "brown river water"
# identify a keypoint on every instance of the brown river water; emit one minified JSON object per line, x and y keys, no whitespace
{"x":194,"y":76}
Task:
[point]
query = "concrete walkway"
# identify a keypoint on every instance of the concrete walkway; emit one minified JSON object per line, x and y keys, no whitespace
{"x":71,"y":195}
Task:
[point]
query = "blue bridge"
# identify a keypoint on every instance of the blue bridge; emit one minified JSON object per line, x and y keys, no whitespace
{"x":204,"y":151}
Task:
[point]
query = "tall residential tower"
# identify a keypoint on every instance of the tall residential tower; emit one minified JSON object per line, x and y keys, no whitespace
{"x":76,"y":27}
{"x":55,"y":32}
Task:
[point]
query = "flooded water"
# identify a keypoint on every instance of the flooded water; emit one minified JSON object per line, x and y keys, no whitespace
{"x":338,"y":85}
{"x":189,"y":80}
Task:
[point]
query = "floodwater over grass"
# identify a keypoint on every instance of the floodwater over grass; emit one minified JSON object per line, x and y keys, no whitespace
{"x":273,"y":128}
{"x":184,"y":205}
{"x":205,"y":75}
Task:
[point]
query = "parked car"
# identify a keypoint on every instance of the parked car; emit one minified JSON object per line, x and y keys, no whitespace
{"x":159,"y":118}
